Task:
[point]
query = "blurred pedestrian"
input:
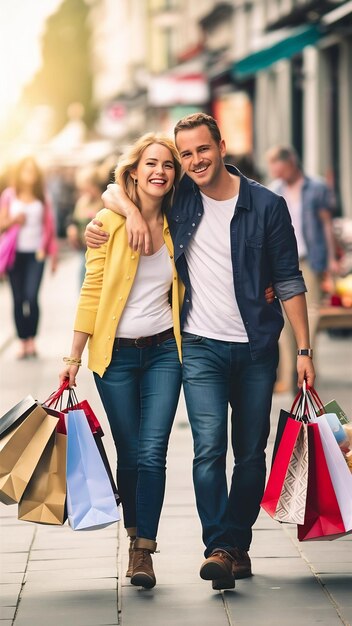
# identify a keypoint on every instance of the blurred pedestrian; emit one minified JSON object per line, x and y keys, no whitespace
{"x":134,"y":343}
{"x":232,"y":238}
{"x":90,"y":187}
{"x":25,"y":204}
{"x":311,"y":206}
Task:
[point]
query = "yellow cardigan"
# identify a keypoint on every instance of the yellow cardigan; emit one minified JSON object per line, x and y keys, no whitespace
{"x":110,"y":272}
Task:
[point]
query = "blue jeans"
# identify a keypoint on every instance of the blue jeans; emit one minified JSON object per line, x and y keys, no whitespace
{"x":25,"y":278}
{"x":216,"y":374}
{"x":140,"y":391}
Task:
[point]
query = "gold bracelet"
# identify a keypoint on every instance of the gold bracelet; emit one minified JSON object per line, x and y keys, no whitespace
{"x":70,"y":360}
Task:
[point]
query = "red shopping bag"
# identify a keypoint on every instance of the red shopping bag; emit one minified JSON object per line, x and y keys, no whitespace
{"x":323,"y":518}
{"x":73,"y":404}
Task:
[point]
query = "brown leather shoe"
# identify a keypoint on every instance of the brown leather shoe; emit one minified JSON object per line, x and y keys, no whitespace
{"x":142,"y":572}
{"x":224,"y":583}
{"x":241,"y":564}
{"x":130,"y":558}
{"x":217,"y":566}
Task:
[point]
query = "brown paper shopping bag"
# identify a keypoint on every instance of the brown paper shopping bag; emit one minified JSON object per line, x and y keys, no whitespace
{"x":45,"y":495}
{"x":20,"y":451}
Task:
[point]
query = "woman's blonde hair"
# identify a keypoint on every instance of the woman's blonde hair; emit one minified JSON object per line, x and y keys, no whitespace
{"x":129,"y":161}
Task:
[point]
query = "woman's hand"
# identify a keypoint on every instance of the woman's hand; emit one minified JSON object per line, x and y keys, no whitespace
{"x":70,"y":372}
{"x":269,"y":294}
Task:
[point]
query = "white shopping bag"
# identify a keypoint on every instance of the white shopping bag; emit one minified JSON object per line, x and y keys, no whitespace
{"x":340,"y":475}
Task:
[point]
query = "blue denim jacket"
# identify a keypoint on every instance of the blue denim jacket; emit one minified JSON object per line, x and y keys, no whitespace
{"x":316,"y":196}
{"x":263,"y":248}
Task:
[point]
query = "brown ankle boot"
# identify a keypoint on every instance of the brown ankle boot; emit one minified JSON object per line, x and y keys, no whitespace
{"x":130,"y":558}
{"x":142,"y":568}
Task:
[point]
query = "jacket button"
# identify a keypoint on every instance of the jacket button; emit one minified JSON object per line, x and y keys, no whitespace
{"x":128,"y":277}
{"x":171,"y":257}
{"x":181,"y":245}
{"x":120,"y":297}
{"x":193,"y":224}
{"x":199,"y":214}
{"x":133,"y":256}
{"x":114,"y":317}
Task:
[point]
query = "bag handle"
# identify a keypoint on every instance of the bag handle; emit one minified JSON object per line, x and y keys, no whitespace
{"x":299,"y":404}
{"x":315,"y":399}
{"x":56,"y":395}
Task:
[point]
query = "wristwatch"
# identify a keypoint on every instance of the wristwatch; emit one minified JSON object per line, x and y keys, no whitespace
{"x":305,"y":352}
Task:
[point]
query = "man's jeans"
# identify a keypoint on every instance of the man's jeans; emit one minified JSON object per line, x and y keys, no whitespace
{"x":216,"y":373}
{"x":140,"y":391}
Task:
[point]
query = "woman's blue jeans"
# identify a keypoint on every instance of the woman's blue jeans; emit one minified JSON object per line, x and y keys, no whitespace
{"x":216,"y":374}
{"x":25,"y":278}
{"x":140,"y":391}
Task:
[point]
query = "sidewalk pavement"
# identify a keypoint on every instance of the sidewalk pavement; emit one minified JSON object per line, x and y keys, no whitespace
{"x":54,"y":576}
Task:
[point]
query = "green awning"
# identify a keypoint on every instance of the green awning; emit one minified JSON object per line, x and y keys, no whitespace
{"x":285,"y":48}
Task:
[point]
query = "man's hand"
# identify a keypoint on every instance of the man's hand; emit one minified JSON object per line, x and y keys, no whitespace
{"x":139,"y":237}
{"x":305,"y":371}
{"x":138,"y":233}
{"x":269,"y":294}
{"x":94,"y":235}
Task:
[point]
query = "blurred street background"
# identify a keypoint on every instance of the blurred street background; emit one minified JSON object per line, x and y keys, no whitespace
{"x":80,"y":80}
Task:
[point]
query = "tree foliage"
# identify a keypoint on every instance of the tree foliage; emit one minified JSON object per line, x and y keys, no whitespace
{"x":65,"y":75}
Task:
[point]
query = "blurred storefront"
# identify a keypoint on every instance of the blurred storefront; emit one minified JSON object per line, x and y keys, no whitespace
{"x":271,"y":71}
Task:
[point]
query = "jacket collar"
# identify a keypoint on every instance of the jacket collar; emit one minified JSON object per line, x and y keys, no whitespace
{"x":243,"y":196}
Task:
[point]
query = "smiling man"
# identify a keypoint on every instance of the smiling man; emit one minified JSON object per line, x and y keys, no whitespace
{"x":232,"y":237}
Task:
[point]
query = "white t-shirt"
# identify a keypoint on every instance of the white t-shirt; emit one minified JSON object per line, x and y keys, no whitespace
{"x":148,"y":311}
{"x":214,"y":313}
{"x":31,"y":233}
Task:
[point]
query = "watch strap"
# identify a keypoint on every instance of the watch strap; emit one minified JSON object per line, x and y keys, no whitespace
{"x":305,"y":352}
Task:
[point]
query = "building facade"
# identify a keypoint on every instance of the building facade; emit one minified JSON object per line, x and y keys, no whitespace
{"x":270,"y":71}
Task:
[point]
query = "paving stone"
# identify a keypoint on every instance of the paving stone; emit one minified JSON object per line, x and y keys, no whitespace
{"x":7,"y":613}
{"x":76,"y":608}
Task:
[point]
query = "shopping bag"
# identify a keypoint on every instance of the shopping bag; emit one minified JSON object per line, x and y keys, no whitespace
{"x":8,"y":241}
{"x":44,"y":498}
{"x":92,"y":419}
{"x":20,"y":450}
{"x":72,"y":403}
{"x":17,"y":414}
{"x":298,"y":411}
{"x":286,"y":490}
{"x":340,"y":475}
{"x":90,"y":499}
{"x":334,"y":407}
{"x":323,"y":517}
{"x":97,"y":431}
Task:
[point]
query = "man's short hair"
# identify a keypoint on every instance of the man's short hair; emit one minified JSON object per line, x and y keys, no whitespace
{"x":283,"y":153}
{"x":199,"y":119}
